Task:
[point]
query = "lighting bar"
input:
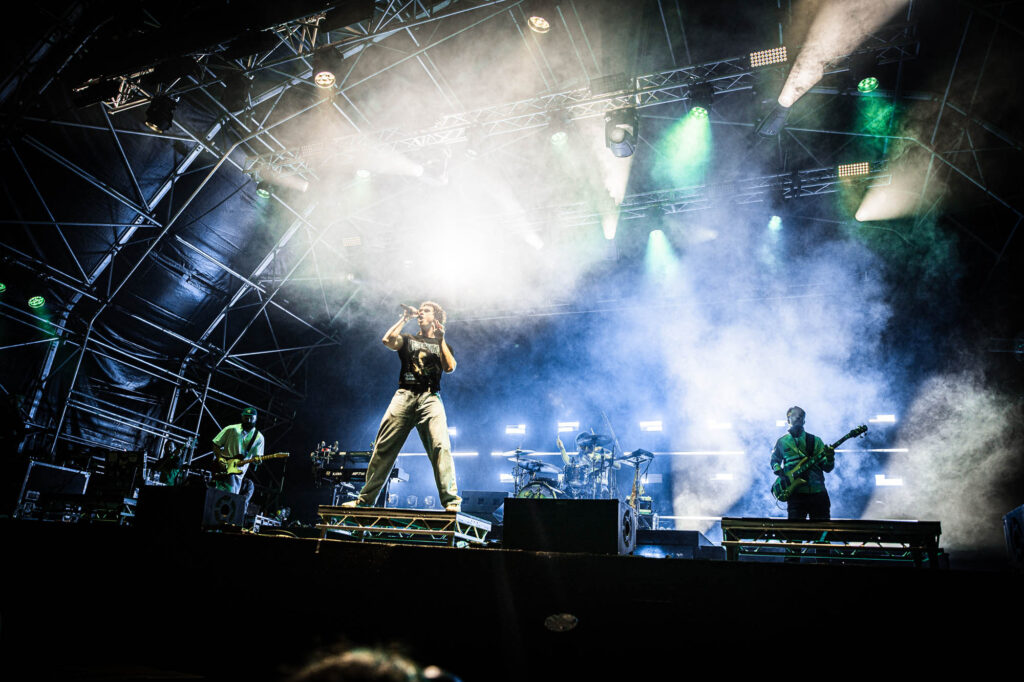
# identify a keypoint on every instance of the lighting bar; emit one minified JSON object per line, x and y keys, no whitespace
{"x":516,"y":429}
{"x":452,"y":431}
{"x":506,"y":478}
{"x":689,"y":453}
{"x":720,"y":426}
{"x":568,"y":427}
{"x":883,"y":419}
{"x":846,"y":170}
{"x":651,"y":478}
{"x":722,"y":477}
{"x":781,"y":422}
{"x":776,"y":55}
{"x":650,"y":426}
{"x":878,"y":450}
{"x":465,"y":454}
{"x":882,"y":482}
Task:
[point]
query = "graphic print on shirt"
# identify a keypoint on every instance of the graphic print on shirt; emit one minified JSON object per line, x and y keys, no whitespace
{"x":423,"y":365}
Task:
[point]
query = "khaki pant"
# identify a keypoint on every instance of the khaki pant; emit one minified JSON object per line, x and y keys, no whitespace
{"x":425,"y":411}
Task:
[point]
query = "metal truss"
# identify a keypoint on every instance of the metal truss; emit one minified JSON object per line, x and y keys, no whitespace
{"x":893,"y":44}
{"x":301,"y":38}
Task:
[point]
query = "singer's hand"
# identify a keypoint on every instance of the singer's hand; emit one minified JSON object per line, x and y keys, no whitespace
{"x":438,"y":329}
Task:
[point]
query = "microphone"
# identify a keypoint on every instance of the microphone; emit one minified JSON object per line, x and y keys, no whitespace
{"x":412,"y":310}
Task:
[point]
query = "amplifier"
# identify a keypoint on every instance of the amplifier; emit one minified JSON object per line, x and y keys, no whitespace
{"x":552,"y":525}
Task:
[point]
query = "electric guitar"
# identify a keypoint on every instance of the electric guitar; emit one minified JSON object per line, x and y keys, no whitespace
{"x":789,"y":479}
{"x":226,"y":466}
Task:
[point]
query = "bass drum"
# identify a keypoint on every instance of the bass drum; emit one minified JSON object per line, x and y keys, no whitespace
{"x":539,"y":489}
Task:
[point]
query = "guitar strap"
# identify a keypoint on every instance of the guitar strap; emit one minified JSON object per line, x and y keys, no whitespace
{"x":808,"y":445}
{"x":252,"y":439}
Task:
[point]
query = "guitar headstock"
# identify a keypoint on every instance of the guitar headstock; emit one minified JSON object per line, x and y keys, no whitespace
{"x":859,"y":431}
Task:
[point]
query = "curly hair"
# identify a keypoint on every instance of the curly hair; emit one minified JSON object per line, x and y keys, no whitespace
{"x":439,"y":314}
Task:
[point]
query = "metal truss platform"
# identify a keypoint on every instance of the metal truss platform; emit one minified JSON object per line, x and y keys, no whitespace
{"x":413,"y":526}
{"x":845,"y":540}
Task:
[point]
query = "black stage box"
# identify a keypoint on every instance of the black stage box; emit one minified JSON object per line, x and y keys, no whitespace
{"x":1013,"y":529}
{"x":678,"y":544}
{"x":186,"y":508}
{"x":550,"y":525}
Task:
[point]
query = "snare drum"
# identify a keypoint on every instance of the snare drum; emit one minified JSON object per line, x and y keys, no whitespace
{"x":576,"y":474}
{"x":539,"y":489}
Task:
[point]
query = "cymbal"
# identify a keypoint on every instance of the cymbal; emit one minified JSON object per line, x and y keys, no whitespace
{"x":515,"y":454}
{"x":593,"y":440}
{"x":534,"y":466}
{"x":636,"y":457}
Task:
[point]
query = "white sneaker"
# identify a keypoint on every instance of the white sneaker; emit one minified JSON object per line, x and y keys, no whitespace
{"x":350,"y":503}
{"x":452,"y":508}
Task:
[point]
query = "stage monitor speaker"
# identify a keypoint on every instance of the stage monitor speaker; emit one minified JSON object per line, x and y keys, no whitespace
{"x":186,"y":509}
{"x":223,"y":509}
{"x":552,"y":525}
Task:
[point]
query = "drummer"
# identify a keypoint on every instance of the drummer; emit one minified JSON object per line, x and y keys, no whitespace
{"x":592,"y":455}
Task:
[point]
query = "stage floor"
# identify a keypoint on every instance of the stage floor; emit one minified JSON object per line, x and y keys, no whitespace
{"x":106,"y":602}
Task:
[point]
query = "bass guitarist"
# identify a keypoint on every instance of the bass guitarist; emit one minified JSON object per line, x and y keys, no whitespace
{"x":237,"y":442}
{"x":809,"y":499}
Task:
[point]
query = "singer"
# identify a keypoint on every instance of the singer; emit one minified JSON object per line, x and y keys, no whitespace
{"x":417,"y":402}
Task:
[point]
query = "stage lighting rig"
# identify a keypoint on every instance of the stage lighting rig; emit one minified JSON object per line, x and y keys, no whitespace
{"x":849,"y":170}
{"x":773,"y":122}
{"x":776,"y":55}
{"x":540,"y":14}
{"x":324,"y":67}
{"x":701,"y":97}
{"x":160,"y":114}
{"x":559,"y":128}
{"x":862,"y":72}
{"x":263,"y":189}
{"x":621,"y":129}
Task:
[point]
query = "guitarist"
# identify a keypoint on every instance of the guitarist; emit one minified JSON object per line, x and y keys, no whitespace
{"x":237,"y":441}
{"x":810,"y":499}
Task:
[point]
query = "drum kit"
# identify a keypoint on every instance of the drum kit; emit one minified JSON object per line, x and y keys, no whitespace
{"x":591,"y":473}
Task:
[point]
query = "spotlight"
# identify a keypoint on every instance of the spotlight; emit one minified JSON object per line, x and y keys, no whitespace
{"x":775,"y":55}
{"x":775,"y":223}
{"x":861,"y":73}
{"x":654,"y":425}
{"x":363,"y":174}
{"x":36,"y":302}
{"x":701,"y":96}
{"x":847,"y":170}
{"x":621,"y":127}
{"x":772,"y":124}
{"x":3,"y":287}
{"x":540,"y":14}
{"x":869,"y":84}
{"x":539,"y":24}
{"x":558,"y":128}
{"x":453,"y":431}
{"x":263,"y":189}
{"x":160,"y":114}
{"x":323,"y":68}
